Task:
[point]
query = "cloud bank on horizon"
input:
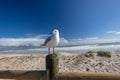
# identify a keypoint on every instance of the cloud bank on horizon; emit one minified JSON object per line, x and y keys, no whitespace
{"x":39,"y":39}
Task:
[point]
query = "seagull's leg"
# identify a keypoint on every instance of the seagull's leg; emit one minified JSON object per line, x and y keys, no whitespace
{"x":48,"y":50}
{"x":53,"y":50}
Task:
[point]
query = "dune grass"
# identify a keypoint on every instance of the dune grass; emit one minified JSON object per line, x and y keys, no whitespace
{"x":89,"y":54}
{"x":104,"y":54}
{"x":99,"y":53}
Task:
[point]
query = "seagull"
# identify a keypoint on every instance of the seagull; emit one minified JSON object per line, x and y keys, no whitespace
{"x":52,"y":40}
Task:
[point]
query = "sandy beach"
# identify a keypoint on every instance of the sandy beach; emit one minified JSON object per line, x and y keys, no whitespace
{"x":80,"y":63}
{"x":22,"y":62}
{"x":67,"y":62}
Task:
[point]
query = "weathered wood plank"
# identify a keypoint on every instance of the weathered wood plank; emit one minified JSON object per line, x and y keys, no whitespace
{"x":23,"y":75}
{"x":86,"y":76}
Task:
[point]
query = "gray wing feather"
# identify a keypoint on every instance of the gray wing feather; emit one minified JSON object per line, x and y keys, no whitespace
{"x":47,"y":40}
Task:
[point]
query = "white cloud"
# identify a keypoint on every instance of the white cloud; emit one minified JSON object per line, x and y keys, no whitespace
{"x":42,"y":36}
{"x":114,"y":32}
{"x":110,"y":31}
{"x":92,"y":38}
{"x":63,"y":40}
{"x":117,"y":33}
{"x":39,"y":39}
{"x":20,"y":41}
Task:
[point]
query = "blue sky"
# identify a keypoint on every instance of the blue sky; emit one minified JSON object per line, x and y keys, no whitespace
{"x":74,"y":18}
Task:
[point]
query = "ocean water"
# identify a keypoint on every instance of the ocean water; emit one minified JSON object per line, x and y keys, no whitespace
{"x":70,"y":49}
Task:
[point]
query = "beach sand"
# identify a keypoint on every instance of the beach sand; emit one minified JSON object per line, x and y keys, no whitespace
{"x":67,"y":62}
{"x":80,"y":63}
{"x":22,"y":62}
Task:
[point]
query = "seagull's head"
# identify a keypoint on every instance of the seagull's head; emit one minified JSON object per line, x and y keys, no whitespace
{"x":55,"y":31}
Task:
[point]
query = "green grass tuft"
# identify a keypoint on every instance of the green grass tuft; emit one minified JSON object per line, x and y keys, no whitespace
{"x":104,"y":54}
{"x":89,"y":54}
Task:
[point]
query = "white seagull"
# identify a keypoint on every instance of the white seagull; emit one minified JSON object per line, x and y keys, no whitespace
{"x":52,"y":41}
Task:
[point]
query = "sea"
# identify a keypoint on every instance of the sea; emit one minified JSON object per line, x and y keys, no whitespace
{"x":69,"y":49}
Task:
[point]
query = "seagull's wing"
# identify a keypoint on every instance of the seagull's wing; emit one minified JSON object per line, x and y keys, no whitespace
{"x":47,"y":40}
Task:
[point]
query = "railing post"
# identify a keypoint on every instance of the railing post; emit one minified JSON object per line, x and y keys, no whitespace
{"x":52,"y":66}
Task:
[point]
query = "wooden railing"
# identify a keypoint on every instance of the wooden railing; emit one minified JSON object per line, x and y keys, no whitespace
{"x":22,"y":75}
{"x":86,"y":76}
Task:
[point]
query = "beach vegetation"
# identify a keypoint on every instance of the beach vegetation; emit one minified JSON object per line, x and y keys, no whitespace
{"x":89,"y":54}
{"x":104,"y":53}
